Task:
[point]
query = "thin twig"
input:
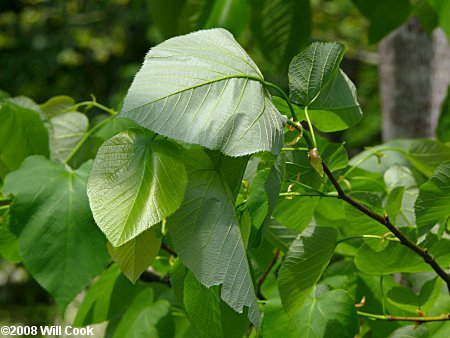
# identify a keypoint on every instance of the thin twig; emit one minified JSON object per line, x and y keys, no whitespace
{"x":262,"y":279}
{"x":443,"y":317}
{"x":426,"y":256}
{"x":151,"y":276}
{"x":168,"y":249}
{"x":5,"y":201}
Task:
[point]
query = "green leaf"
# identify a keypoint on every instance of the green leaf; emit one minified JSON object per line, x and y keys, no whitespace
{"x":264,"y":190}
{"x":328,"y":314}
{"x":406,"y":299}
{"x":384,"y":16}
{"x":312,"y":69}
{"x":164,"y":14}
{"x":410,"y":331}
{"x":22,"y":133}
{"x":276,"y":323}
{"x":207,"y":313}
{"x":323,"y":315}
{"x":136,"y":255}
{"x":67,"y":130}
{"x":108,"y":298}
{"x":442,"y":8}
{"x":217,"y":90}
{"x":282,"y":27}
{"x":60,"y":245}
{"x":394,"y":202}
{"x":400,"y":205}
{"x":398,"y":258}
{"x":433,"y":202}
{"x":335,"y":156}
{"x":57,"y":105}
{"x":145,"y":318}
{"x":134,"y":184}
{"x":443,"y":127}
{"x":206,"y":236}
{"x":336,"y":107}
{"x":307,"y":258}
{"x":280,"y":236}
{"x":9,"y":245}
{"x":426,"y":155}
{"x":295,"y":213}
{"x":232,"y":15}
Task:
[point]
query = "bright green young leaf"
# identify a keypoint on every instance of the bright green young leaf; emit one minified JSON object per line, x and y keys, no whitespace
{"x":206,"y":81}
{"x":134,"y":184}
{"x":264,"y":190}
{"x":59,"y":242}
{"x":136,"y":255}
{"x":442,"y":8}
{"x":57,"y":105}
{"x":336,"y":107}
{"x":407,"y":299}
{"x":307,"y":258}
{"x":207,"y":313}
{"x":108,"y":298}
{"x":22,"y":133}
{"x":384,"y":15}
{"x":282,"y":27}
{"x":67,"y":130}
{"x":443,"y":127}
{"x":312,"y":69}
{"x":206,"y":236}
{"x":433,"y":202}
{"x":146,"y":318}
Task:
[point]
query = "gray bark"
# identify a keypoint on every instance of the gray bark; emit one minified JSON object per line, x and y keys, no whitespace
{"x":414,"y":76}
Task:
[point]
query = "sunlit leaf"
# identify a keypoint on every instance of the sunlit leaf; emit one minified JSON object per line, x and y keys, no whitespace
{"x":312,"y":69}
{"x":134,"y":184}
{"x":135,"y":256}
{"x":206,"y":81}
{"x":205,"y":233}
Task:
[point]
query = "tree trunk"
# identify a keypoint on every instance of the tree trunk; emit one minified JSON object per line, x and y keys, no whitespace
{"x":414,"y":76}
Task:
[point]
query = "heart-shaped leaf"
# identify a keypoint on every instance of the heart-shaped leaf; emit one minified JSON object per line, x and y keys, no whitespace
{"x":206,"y":81}
{"x":60,"y":245}
{"x":134,"y":184}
